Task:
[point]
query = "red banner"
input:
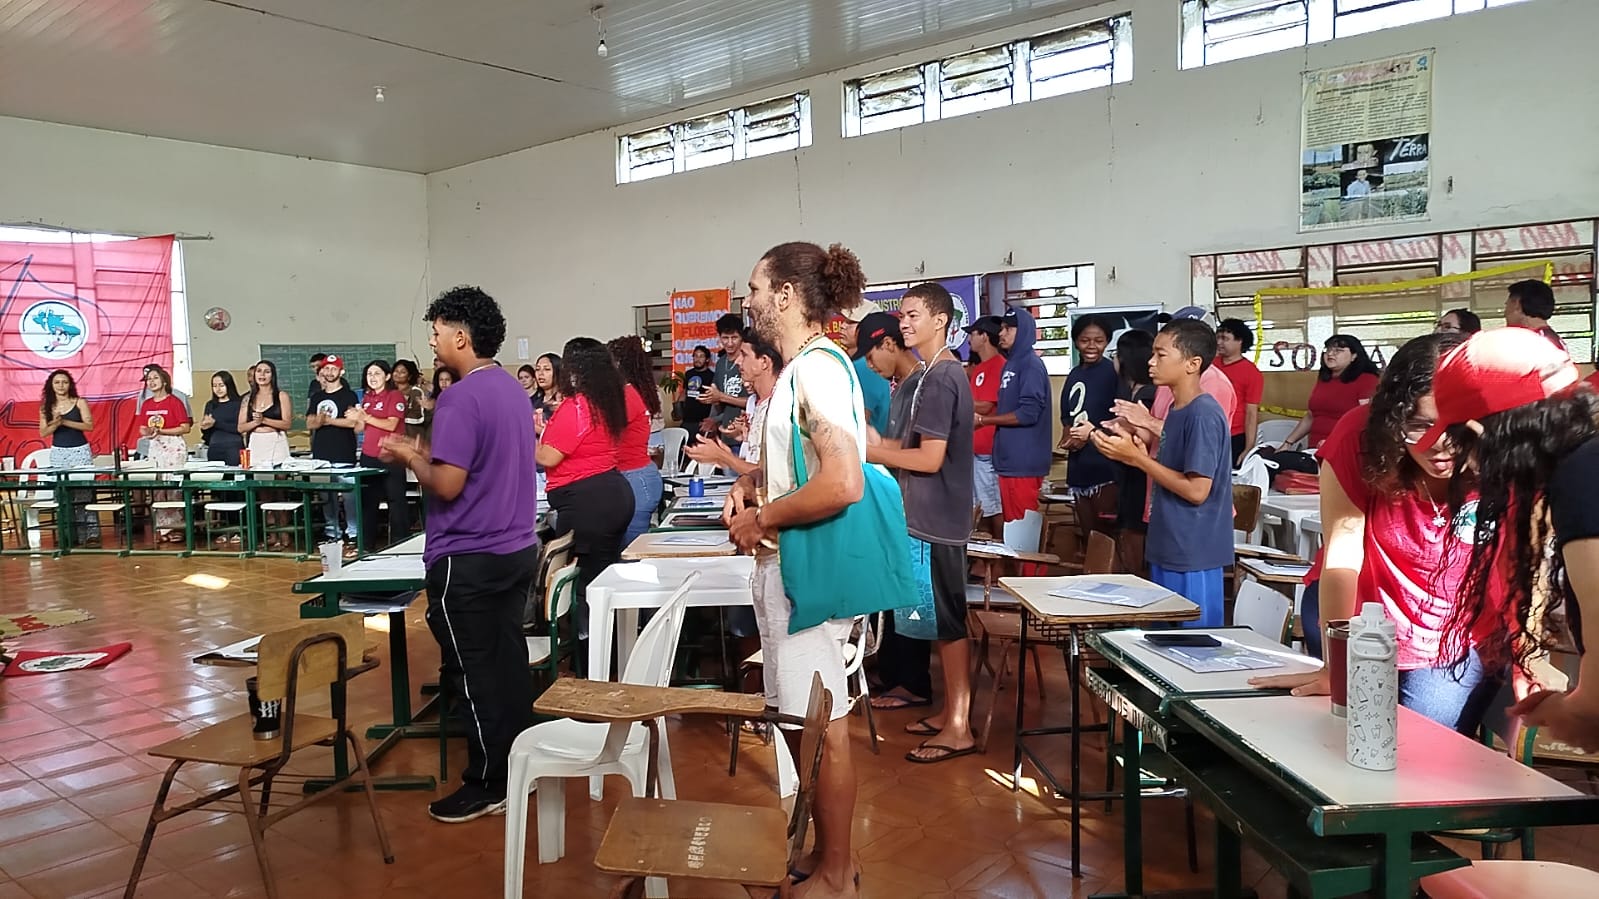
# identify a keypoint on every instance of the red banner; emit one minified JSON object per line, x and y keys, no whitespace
{"x":694,"y":315}
{"x":101,"y":310}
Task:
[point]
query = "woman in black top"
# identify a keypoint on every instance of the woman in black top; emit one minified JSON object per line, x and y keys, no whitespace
{"x":219,"y":426}
{"x":408,"y":381}
{"x":64,"y":418}
{"x":443,"y":376}
{"x":1133,"y":350}
{"x":546,"y":394}
{"x":1512,"y":400}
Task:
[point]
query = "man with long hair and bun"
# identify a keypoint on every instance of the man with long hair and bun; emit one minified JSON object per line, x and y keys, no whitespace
{"x":795,"y":289}
{"x":481,"y":545}
{"x":1532,"y":430}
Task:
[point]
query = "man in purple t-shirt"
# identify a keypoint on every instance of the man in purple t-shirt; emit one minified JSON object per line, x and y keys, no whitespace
{"x":481,"y":547}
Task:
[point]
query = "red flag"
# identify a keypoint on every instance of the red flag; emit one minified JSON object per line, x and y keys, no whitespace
{"x":102,"y":311}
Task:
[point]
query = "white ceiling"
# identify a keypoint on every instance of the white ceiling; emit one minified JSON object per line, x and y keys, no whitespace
{"x":465,"y":79}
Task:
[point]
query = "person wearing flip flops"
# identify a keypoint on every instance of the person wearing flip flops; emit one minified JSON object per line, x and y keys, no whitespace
{"x":932,"y":413}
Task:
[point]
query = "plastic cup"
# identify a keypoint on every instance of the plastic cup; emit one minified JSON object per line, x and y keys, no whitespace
{"x":332,"y":557}
{"x":696,"y":488}
{"x":1336,"y":654}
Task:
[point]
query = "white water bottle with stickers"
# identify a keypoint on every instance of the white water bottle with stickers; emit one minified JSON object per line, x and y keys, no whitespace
{"x":1372,"y":740}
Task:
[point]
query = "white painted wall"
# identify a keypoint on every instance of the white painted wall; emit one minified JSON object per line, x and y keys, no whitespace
{"x":301,"y":249}
{"x":1133,"y":179}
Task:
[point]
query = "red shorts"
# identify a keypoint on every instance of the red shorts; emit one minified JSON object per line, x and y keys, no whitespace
{"x":1018,"y":496}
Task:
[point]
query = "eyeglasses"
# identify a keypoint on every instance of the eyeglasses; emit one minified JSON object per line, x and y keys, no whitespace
{"x":1415,"y":429}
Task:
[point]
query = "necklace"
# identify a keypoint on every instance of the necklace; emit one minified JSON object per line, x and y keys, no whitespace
{"x":1438,"y":519}
{"x":478,"y":369}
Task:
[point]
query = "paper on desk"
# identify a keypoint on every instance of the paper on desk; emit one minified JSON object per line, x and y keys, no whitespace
{"x":1261,"y":549}
{"x":377,"y":605}
{"x":1229,"y":656}
{"x":1279,"y":569}
{"x":1132,"y":596}
{"x":692,"y":539}
{"x":994,"y":549}
{"x":242,"y":651}
{"x":379,"y":566}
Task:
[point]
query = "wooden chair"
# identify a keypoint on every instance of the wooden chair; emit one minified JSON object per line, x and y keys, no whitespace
{"x":754,"y":847}
{"x":1004,"y":631}
{"x":313,"y":654}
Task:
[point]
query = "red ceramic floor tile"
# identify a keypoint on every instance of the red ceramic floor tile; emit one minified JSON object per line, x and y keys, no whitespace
{"x":109,"y":773}
{"x":24,"y":796}
{"x":58,"y":738}
{"x":57,"y":847}
{"x":88,"y":876}
{"x":69,"y":760}
{"x":19,"y":824}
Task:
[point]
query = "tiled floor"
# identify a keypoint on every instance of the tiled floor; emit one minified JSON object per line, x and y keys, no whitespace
{"x":75,"y":786}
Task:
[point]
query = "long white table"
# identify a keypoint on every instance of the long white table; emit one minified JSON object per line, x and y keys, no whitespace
{"x":1292,"y":510}
{"x":615,"y":597}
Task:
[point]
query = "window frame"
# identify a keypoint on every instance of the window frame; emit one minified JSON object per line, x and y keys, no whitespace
{"x":1023,"y":88}
{"x":685,"y":159}
{"x":1323,"y":20}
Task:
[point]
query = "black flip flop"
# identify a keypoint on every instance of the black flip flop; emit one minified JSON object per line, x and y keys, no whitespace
{"x":797,"y":877}
{"x":904,"y":703}
{"x":950,"y":752}
{"x":922,"y":729}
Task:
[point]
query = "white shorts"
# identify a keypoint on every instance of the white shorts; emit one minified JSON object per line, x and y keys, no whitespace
{"x":788,"y":659}
{"x":986,"y":484}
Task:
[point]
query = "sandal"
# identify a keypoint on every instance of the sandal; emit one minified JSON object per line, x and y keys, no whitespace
{"x":945,"y":753}
{"x":922,"y":728}
{"x":898,"y":699}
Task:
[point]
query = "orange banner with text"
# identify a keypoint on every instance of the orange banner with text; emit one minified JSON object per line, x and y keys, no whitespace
{"x":694,"y":315}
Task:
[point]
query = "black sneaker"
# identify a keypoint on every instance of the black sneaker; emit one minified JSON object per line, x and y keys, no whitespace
{"x":467,"y":803}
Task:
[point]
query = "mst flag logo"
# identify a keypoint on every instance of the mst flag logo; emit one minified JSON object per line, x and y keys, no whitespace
{"x":54,"y":330}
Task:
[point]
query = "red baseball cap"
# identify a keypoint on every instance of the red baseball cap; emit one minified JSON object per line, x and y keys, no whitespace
{"x":1495,"y":371}
{"x":333,"y":361}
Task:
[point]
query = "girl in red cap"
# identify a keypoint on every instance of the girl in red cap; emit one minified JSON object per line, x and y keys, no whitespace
{"x":1533,"y":432}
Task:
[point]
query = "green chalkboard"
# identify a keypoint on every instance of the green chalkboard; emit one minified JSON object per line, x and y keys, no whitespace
{"x":294,"y":370}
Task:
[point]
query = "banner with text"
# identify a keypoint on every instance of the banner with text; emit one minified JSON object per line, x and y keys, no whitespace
{"x":1365,"y":141}
{"x":694,"y":315}
{"x":963,"y":290}
{"x":101,"y":311}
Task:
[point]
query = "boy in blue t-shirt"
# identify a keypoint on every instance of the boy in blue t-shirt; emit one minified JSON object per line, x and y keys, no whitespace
{"x":1190,"y":516}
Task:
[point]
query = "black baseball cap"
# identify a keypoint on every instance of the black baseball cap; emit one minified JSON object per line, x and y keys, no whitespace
{"x":873,"y":328}
{"x":988,"y":324}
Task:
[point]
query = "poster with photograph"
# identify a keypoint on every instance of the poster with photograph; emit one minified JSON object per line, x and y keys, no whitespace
{"x":962,"y":289}
{"x":1365,"y":135}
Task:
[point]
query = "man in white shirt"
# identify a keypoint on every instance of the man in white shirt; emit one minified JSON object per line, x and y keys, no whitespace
{"x":759,"y":363}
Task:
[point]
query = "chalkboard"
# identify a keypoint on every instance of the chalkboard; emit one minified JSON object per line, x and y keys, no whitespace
{"x":294,"y":369}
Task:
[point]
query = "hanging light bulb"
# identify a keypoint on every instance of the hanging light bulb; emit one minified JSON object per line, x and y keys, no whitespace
{"x":596,"y":11}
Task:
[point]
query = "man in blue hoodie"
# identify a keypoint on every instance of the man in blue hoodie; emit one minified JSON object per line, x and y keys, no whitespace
{"x":1020,"y":418}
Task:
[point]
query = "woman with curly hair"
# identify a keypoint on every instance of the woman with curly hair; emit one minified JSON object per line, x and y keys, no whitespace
{"x":1390,"y":538}
{"x":64,"y":417}
{"x":407,"y":380}
{"x":633,"y":453}
{"x":578,"y":450}
{"x":1532,"y":431}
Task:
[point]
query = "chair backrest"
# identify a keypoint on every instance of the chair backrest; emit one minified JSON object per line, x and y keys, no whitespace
{"x":818,"y":715}
{"x":1273,"y":432}
{"x":1246,"y":507}
{"x":36,"y":459}
{"x":1262,"y":610}
{"x":672,"y":441}
{"x":318,"y":664}
{"x":555,"y":556}
{"x":559,"y":594}
{"x":1100,"y":557}
{"x":1026,"y":533}
{"x":651,"y":661}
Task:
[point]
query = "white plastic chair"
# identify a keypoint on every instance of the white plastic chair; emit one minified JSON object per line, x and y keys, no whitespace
{"x":1026,"y":533}
{"x":36,"y":502}
{"x":1262,"y":610}
{"x":672,"y":442}
{"x":1512,"y":879}
{"x":1271,"y":433}
{"x":547,"y":754}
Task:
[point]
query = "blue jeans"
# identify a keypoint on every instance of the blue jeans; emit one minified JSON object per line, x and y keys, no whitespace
{"x":1455,"y":696}
{"x":647,"y":487}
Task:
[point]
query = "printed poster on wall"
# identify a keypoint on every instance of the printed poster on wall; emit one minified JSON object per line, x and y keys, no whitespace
{"x":1365,"y":141}
{"x":694,"y":315}
{"x":962,"y":289}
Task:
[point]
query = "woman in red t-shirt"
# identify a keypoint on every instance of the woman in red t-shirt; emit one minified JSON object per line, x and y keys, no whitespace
{"x":1347,"y":379}
{"x":633,"y":453}
{"x":1390,"y":539}
{"x":166,"y":421}
{"x":578,"y":450}
{"x":381,"y":415}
